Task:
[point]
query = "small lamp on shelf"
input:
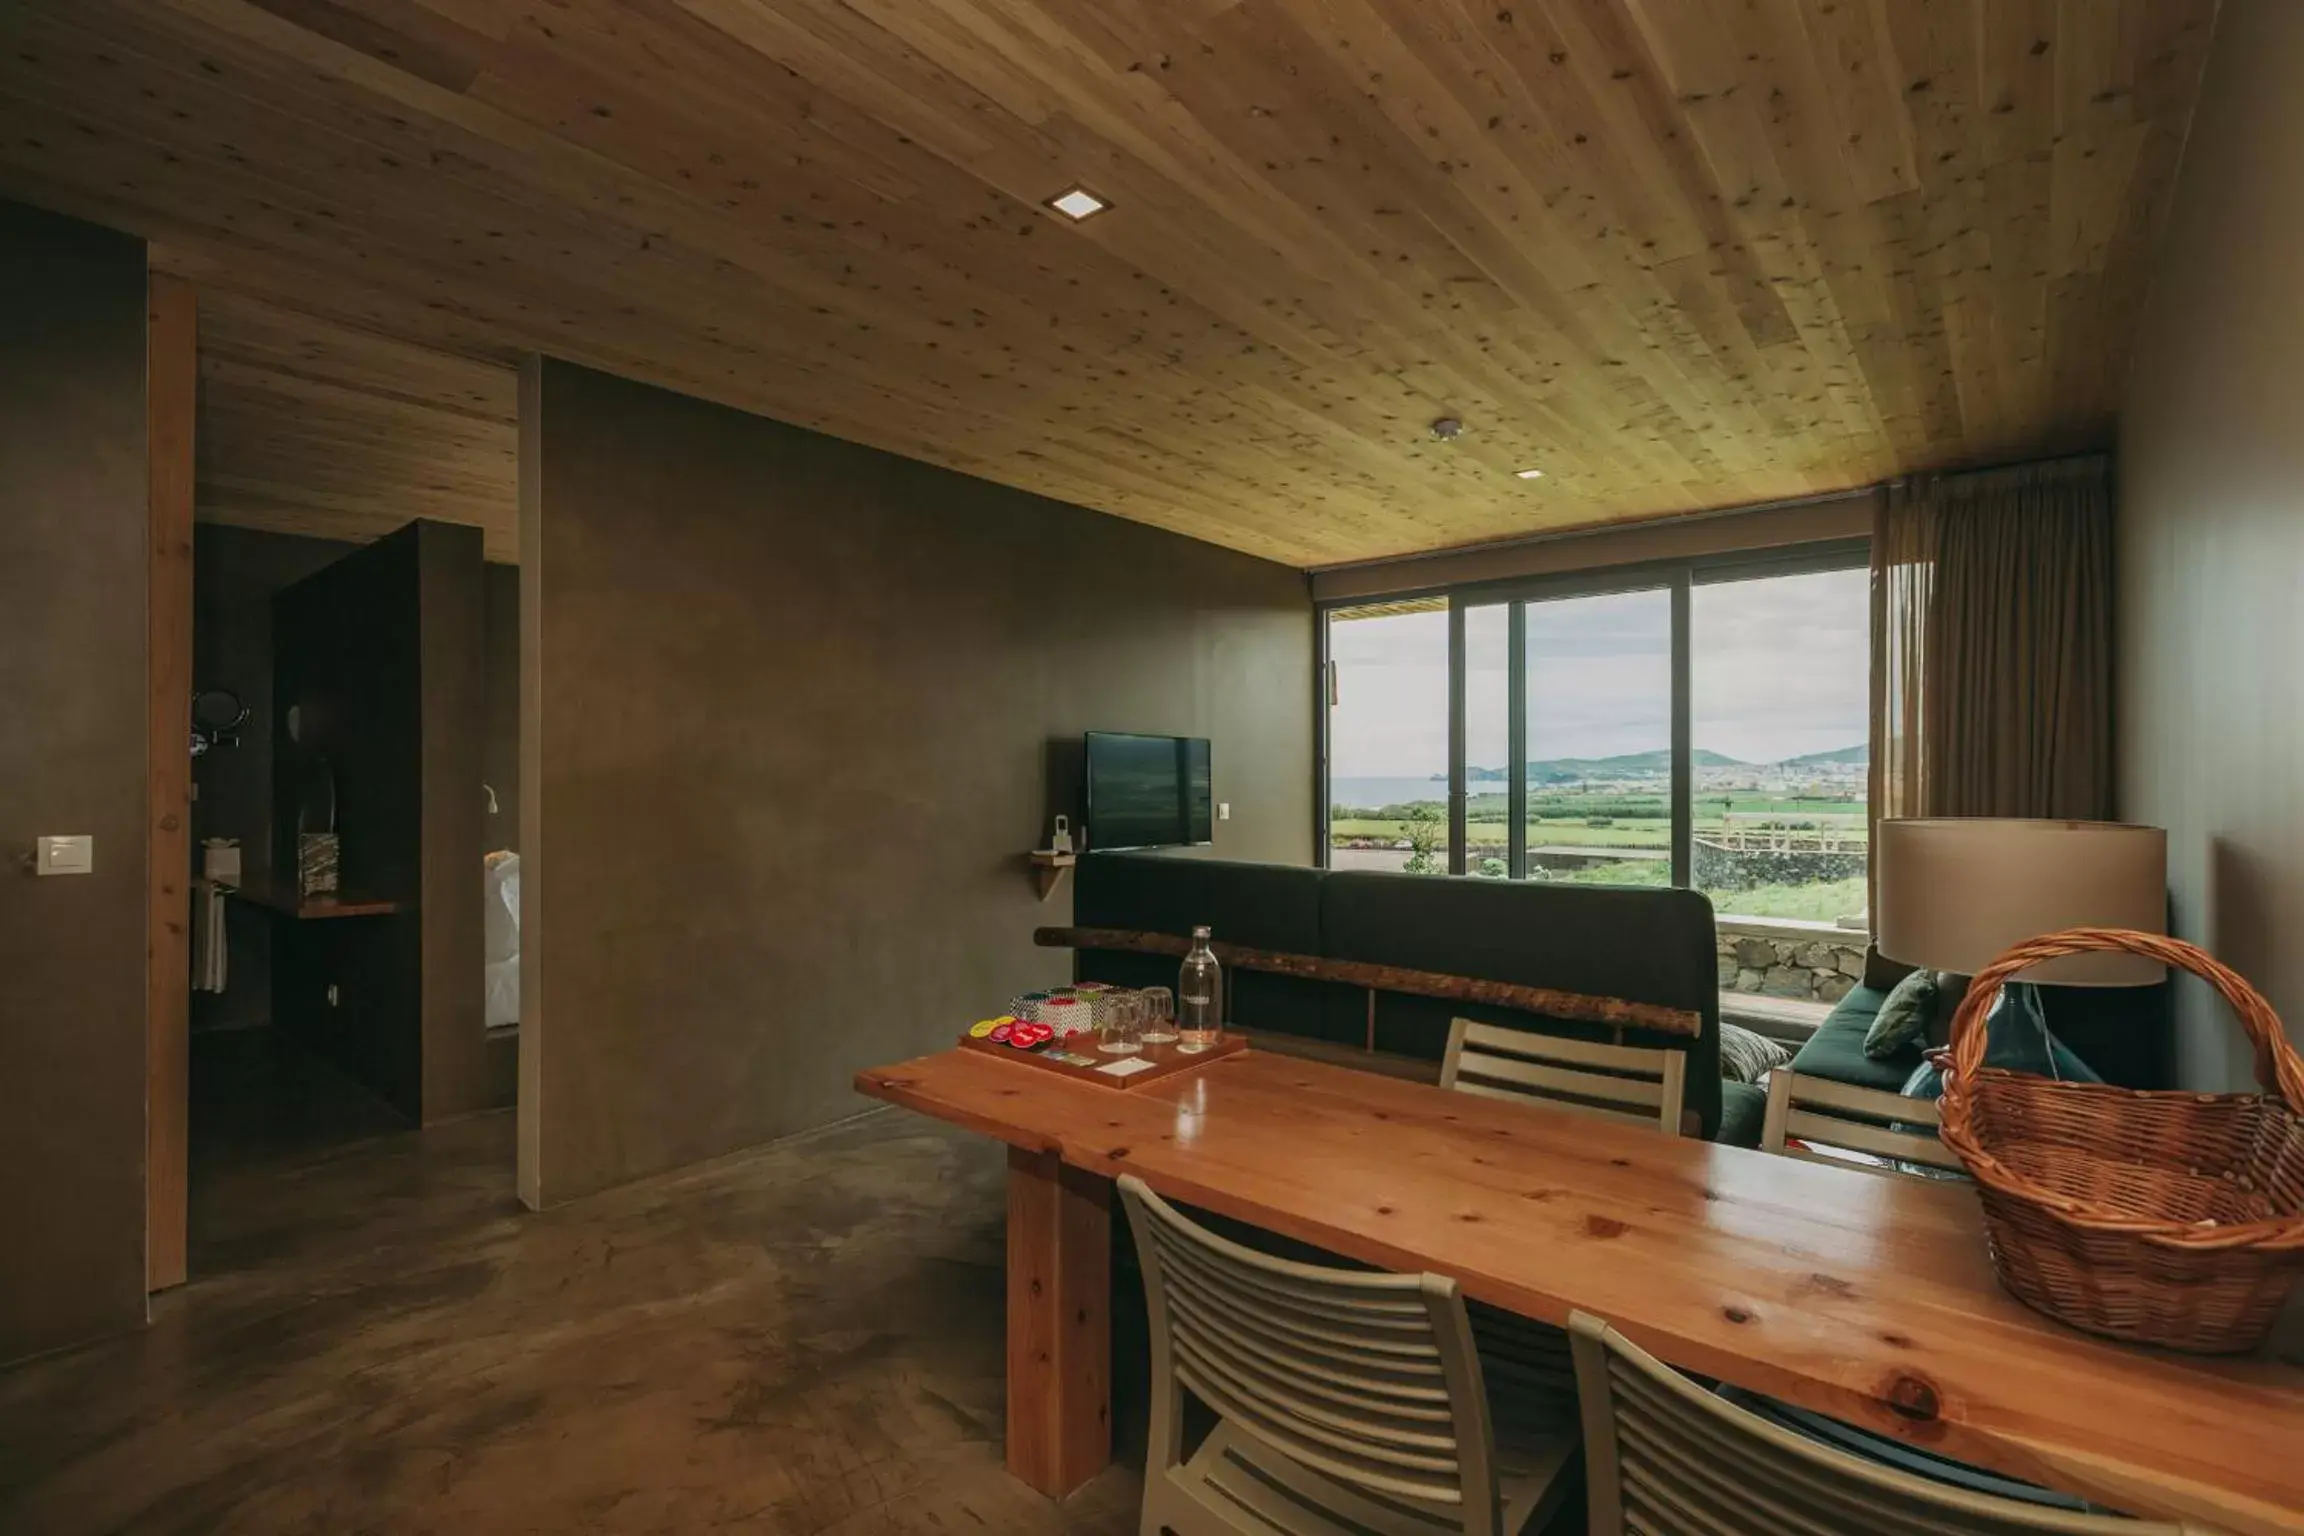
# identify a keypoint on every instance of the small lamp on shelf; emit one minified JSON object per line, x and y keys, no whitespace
{"x":1049,"y":863}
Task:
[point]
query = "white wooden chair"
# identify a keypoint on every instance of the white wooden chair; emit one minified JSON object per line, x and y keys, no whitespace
{"x":1821,"y":1114}
{"x":1664,"y":1457}
{"x":1622,"y":1082}
{"x":1348,"y":1401}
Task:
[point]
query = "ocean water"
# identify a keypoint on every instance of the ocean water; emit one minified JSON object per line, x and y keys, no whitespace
{"x":1369,"y":792}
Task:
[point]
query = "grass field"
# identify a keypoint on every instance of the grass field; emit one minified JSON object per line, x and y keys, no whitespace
{"x":1823,"y":902}
{"x":1490,"y":805}
{"x":1559,"y":834}
{"x":1574,"y":831}
{"x":1633,"y":821}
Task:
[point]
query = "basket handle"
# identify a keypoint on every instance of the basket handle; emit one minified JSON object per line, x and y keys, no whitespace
{"x":2278,"y":1069}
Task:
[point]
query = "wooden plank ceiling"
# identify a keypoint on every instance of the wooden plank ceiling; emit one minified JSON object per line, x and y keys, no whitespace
{"x":313,"y":428}
{"x":1675,"y":253}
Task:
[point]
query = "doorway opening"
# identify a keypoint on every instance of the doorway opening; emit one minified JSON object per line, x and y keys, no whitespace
{"x":351,"y":848}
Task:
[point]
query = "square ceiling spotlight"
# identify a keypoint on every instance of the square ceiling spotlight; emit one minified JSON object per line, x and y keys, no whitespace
{"x":1077,"y":204}
{"x":1528,"y":474}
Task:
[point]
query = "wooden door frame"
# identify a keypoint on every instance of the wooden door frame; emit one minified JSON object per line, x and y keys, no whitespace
{"x":171,"y":398}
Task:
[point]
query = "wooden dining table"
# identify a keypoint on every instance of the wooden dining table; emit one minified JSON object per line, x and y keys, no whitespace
{"x":1860,"y":1295}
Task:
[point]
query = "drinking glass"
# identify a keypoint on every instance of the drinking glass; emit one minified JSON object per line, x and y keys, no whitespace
{"x":1120,"y":1024}
{"x":1159,"y":1006}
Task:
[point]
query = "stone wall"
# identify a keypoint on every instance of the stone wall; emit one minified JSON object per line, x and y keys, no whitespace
{"x":1740,"y":869}
{"x":1810,"y":962}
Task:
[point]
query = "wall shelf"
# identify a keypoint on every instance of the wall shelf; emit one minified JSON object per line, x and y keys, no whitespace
{"x":282,"y":899}
{"x":1048,"y":869}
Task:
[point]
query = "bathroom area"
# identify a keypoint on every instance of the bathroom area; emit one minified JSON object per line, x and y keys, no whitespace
{"x":355,"y":890}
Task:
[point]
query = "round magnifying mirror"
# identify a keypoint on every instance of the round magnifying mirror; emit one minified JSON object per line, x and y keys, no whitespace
{"x":218,"y":711}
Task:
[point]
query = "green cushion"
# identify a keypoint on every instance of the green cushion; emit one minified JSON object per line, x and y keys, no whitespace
{"x":1904,"y":1017}
{"x":1743,"y":1106}
{"x":1836,"y":1050}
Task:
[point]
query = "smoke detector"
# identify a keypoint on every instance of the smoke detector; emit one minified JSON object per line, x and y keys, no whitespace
{"x":1447,"y":429}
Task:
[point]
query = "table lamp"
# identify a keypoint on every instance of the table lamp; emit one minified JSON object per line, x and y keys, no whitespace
{"x":1954,"y":892}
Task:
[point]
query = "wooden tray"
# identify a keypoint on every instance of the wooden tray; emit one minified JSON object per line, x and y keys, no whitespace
{"x":1166,"y":1061}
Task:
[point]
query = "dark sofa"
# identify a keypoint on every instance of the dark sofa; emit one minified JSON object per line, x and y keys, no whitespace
{"x":1650,"y":946}
{"x":2124,"y":1033}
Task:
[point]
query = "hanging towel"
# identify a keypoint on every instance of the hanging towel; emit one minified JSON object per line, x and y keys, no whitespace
{"x":501,"y":952}
{"x":209,"y":951}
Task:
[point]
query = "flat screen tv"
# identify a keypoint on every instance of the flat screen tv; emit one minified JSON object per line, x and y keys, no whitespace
{"x":1148,"y":791}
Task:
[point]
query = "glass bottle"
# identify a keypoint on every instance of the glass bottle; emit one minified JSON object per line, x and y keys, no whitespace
{"x":1199,"y":997}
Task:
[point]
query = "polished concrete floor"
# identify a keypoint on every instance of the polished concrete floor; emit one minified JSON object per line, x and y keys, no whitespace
{"x":377,"y":1338}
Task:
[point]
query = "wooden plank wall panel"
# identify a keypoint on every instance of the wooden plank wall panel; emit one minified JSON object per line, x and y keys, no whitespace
{"x":528,"y":1164}
{"x":1677,"y":253}
{"x":171,"y":386}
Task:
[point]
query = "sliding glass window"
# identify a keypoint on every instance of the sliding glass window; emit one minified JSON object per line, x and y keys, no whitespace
{"x":1780,"y":685}
{"x":1702,"y":723}
{"x":1488,"y":715}
{"x":1597,"y":681}
{"x":1388,"y":735}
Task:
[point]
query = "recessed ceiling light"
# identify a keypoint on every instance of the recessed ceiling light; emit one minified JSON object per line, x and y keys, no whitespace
{"x":1528,"y":474}
{"x":1078,"y":203}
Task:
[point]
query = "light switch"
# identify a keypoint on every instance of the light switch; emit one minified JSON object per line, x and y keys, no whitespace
{"x":1224,"y":810}
{"x":66,"y":855}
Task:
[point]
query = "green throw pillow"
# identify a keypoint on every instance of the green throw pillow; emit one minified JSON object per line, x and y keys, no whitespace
{"x":1903,"y":1018}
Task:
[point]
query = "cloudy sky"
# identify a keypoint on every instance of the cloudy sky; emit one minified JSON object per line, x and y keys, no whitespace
{"x":1780,"y":668}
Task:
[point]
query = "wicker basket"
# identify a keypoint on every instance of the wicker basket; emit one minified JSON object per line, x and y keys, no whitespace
{"x":2160,"y":1218}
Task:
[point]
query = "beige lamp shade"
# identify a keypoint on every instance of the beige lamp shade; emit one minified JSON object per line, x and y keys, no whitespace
{"x":1955,"y":892}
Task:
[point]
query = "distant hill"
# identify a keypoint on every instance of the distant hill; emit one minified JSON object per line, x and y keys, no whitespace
{"x":1629,"y":765}
{"x":1657,"y":764}
{"x":1858,"y":754}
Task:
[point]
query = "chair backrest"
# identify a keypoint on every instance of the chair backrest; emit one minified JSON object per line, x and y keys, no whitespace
{"x":1822,"y":1113}
{"x":1624,"y":1082}
{"x":1371,"y":1379}
{"x":1665,"y":1457}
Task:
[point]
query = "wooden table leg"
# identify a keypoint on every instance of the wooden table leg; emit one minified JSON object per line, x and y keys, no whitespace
{"x":1059,"y":1322}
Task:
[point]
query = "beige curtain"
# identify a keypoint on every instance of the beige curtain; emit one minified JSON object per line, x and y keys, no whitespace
{"x":1992,"y":644}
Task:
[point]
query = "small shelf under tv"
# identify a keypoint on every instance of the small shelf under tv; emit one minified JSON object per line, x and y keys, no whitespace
{"x":1048,"y":869}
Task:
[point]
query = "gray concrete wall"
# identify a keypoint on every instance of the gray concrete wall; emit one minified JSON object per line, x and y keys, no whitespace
{"x":787,"y":706}
{"x":73,"y":583}
{"x":2211,"y":539}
